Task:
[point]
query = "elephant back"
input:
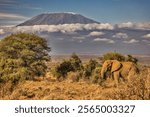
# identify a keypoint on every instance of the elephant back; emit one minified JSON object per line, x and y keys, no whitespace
{"x":130,"y":66}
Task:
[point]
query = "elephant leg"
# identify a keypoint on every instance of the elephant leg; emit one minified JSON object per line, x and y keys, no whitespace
{"x":112,"y":76}
{"x":116,"y":76}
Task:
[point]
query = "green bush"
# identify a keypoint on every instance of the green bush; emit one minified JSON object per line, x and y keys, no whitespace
{"x":89,"y":67}
{"x":119,"y":57}
{"x":76,"y":62}
{"x":63,"y":69}
{"x":113,"y":56}
{"x":22,"y":57}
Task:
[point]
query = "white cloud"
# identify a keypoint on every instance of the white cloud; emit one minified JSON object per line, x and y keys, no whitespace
{"x":11,"y":16}
{"x":120,"y":35}
{"x":126,"y":25}
{"x":103,"y":26}
{"x":64,"y":28}
{"x":104,"y":40}
{"x":146,"y":36}
{"x":145,"y":25}
{"x":131,"y":41}
{"x":131,"y":25}
{"x":96,"y":33}
{"x":1,"y":31}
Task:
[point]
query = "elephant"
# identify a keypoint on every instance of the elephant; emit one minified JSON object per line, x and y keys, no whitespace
{"x":118,"y":70}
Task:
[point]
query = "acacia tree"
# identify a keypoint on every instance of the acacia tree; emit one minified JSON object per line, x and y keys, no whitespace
{"x":23,"y":56}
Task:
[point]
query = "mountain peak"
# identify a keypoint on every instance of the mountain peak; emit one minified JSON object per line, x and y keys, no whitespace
{"x":57,"y":18}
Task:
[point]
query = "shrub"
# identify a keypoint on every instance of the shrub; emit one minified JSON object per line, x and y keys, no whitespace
{"x":119,"y":57}
{"x":96,"y":77}
{"x":113,"y":56}
{"x":76,"y":62}
{"x":63,"y":69}
{"x":89,"y":67}
{"x":22,"y":57}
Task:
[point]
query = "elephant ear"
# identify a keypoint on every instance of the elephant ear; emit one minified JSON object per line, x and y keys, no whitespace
{"x":116,"y":65}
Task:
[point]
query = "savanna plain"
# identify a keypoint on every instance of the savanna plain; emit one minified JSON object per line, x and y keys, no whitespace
{"x":76,"y":86}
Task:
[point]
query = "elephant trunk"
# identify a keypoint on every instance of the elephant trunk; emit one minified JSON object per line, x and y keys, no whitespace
{"x":103,"y":73}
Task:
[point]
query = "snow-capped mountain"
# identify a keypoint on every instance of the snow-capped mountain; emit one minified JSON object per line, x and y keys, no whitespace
{"x":57,"y":18}
{"x":71,"y":32}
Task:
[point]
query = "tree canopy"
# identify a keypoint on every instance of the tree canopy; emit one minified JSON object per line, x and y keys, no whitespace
{"x":23,"y":56}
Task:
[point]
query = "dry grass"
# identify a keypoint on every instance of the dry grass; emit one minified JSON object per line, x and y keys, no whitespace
{"x":54,"y":90}
{"x":51,"y":89}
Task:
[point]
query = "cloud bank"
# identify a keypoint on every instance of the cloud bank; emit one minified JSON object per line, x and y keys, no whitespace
{"x":131,"y":25}
{"x":73,"y":28}
{"x":64,"y":28}
{"x":126,"y":25}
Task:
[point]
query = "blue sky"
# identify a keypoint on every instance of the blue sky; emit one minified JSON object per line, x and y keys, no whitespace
{"x":112,"y":11}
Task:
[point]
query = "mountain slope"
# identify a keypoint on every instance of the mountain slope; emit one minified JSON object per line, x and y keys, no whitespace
{"x":57,"y":18}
